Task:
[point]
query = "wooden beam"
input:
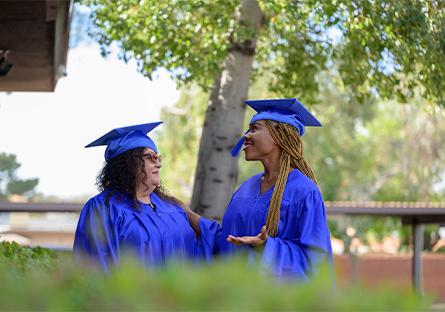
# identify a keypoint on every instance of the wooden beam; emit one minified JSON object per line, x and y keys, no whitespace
{"x":18,"y":10}
{"x":26,"y":44}
{"x":28,"y":79}
{"x":51,"y":9}
{"x":40,"y":207}
{"x":24,"y":29}
{"x":37,"y":59}
{"x":436,"y":215}
{"x":61,"y":38}
{"x":41,"y":85}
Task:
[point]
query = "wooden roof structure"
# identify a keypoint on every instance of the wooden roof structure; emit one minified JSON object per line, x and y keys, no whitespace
{"x":36,"y":34}
{"x":408,"y":212}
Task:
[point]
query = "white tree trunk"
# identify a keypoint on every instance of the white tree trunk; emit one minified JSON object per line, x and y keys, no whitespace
{"x":217,"y":171}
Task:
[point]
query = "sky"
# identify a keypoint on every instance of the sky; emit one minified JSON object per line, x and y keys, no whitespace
{"x":48,"y":131}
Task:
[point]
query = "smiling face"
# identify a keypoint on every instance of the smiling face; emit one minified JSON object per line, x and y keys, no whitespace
{"x":152,"y":167}
{"x":258,"y":143}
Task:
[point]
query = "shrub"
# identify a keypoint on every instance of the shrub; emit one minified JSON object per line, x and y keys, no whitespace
{"x":48,"y":281}
{"x":21,"y":259}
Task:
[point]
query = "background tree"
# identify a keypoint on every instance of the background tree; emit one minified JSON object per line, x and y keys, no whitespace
{"x":178,"y":143}
{"x":10,"y":184}
{"x":382,"y":48}
{"x":383,"y":151}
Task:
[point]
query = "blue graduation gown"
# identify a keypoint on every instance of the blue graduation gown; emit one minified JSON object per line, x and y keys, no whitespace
{"x":303,"y":239}
{"x":107,"y":232}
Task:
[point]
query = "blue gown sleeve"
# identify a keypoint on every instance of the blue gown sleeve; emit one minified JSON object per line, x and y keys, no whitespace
{"x":211,"y":237}
{"x":202,"y":249}
{"x":306,"y":248}
{"x":97,"y":235}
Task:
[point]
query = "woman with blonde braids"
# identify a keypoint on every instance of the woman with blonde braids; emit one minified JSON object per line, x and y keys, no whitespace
{"x":282,"y":209}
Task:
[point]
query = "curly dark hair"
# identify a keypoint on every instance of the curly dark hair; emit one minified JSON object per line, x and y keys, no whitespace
{"x":121,"y":173}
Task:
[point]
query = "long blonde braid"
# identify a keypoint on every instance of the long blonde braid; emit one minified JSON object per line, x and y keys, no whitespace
{"x":289,"y":140}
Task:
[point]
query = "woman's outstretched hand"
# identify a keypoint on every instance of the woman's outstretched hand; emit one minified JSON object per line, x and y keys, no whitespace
{"x":249,"y":240}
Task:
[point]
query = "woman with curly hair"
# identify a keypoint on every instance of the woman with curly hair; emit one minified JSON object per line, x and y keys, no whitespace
{"x":278,"y":215}
{"x":132,"y":215}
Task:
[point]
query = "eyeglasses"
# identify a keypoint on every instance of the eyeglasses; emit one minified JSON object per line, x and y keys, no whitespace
{"x":154,"y":158}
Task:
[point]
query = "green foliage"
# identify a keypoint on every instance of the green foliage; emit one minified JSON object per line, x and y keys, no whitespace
{"x":386,"y":48}
{"x":180,"y":142}
{"x":392,"y":47}
{"x":363,"y":152}
{"x":222,"y":286}
{"x":9,"y":182}
{"x":188,"y":38}
{"x":23,"y":259}
{"x":383,"y":151}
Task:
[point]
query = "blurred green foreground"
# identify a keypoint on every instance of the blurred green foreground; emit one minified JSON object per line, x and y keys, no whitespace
{"x":41,"y":279}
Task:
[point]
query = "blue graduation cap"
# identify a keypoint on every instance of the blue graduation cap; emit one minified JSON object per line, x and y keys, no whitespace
{"x":120,"y":140}
{"x":289,"y":111}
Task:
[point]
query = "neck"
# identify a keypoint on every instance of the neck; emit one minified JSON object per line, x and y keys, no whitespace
{"x":143,"y":194}
{"x":271,"y":168}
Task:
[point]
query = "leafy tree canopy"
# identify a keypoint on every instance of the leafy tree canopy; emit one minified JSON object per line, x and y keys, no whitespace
{"x":382,"y":151}
{"x":382,"y":47}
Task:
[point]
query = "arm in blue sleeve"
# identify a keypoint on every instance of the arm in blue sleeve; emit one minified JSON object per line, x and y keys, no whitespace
{"x":211,"y":236}
{"x":308,"y":246}
{"x":96,"y":235}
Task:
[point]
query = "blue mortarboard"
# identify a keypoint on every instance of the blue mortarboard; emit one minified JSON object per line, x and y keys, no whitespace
{"x":120,"y":140}
{"x":289,"y":111}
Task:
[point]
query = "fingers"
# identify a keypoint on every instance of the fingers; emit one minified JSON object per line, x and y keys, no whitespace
{"x":263,"y":235}
{"x":245,"y":240}
{"x":234,"y":240}
{"x":249,"y":240}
